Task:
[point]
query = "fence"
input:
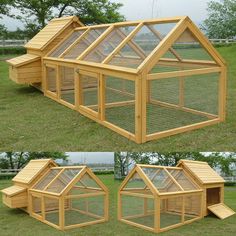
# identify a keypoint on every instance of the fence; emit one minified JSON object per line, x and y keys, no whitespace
{"x":21,"y":43}
{"x":230,"y":179}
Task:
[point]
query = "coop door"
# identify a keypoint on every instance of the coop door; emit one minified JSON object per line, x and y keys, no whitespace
{"x":213,"y":196}
{"x":88,"y":97}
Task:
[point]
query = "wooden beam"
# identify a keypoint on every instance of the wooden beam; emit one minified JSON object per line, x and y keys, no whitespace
{"x":175,"y":74}
{"x":122,"y":44}
{"x":140,"y":195}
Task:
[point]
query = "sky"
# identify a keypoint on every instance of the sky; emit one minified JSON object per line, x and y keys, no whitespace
{"x":142,"y":9}
{"x":91,"y":157}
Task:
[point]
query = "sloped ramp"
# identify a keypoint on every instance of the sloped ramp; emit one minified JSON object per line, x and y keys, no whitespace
{"x":221,"y":210}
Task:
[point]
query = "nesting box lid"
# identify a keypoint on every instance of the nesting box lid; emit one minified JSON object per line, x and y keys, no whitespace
{"x":50,"y":32}
{"x":22,"y":60}
{"x":32,"y":170}
{"x":13,"y":190}
{"x":201,"y":171}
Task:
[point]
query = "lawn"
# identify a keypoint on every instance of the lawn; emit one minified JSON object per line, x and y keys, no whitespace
{"x":30,"y":121}
{"x":16,"y":222}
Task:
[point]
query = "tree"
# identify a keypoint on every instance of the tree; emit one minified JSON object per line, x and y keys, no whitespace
{"x":35,"y":14}
{"x":221,"y":22}
{"x":17,"y":160}
{"x":4,"y":7}
{"x":3,"y":32}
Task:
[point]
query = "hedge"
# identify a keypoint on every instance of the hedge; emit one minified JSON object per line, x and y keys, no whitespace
{"x":12,"y":50}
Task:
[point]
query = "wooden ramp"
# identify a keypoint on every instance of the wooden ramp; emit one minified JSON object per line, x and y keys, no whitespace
{"x":221,"y":210}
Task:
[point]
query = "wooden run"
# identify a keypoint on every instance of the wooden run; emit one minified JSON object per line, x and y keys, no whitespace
{"x":130,"y":76}
{"x":53,"y":194}
{"x":160,"y":198}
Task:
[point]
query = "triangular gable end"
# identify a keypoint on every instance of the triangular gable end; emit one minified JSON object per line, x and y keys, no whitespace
{"x":178,"y":33}
{"x":137,"y":171}
{"x":77,"y":179}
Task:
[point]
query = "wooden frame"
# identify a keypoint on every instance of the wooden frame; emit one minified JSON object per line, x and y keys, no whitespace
{"x":64,"y":197}
{"x":139,"y":70}
{"x":187,"y":205}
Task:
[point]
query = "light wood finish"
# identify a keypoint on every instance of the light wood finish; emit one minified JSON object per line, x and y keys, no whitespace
{"x":31,"y":69}
{"x":221,"y":210}
{"x":184,"y":203}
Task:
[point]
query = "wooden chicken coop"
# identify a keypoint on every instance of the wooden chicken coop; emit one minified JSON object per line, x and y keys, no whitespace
{"x":159,"y":198}
{"x":142,"y":79}
{"x":62,"y":197}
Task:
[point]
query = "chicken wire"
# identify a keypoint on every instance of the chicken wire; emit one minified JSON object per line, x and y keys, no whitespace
{"x":120,"y":103}
{"x":139,"y":210}
{"x":84,"y":43}
{"x":52,"y":212}
{"x":67,"y":84}
{"x":36,"y":205}
{"x":82,"y":210}
{"x":62,"y":47}
{"x":51,"y":79}
{"x":89,"y":90}
{"x":169,"y":96}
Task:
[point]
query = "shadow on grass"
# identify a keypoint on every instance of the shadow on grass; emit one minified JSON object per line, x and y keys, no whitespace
{"x":27,"y":90}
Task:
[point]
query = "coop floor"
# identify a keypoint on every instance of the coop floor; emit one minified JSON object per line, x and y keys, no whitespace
{"x":72,"y":217}
{"x":167,"y":219}
{"x":159,"y":118}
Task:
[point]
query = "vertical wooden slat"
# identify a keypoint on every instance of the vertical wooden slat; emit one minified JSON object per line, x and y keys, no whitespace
{"x":61,"y":213}
{"x":222,"y":96}
{"x":102,"y":95}
{"x":138,"y":109}
{"x":157,"y":214}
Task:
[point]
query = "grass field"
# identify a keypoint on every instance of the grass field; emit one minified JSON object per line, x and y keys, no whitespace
{"x":16,"y":222}
{"x":30,"y":121}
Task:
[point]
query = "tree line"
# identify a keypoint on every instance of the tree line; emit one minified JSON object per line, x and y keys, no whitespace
{"x":220,"y":22}
{"x":225,"y":162}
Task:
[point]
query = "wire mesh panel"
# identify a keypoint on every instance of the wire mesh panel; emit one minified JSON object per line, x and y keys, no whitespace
{"x":67,"y":84}
{"x":89,"y":91}
{"x":107,"y":45}
{"x":83,"y":210}
{"x":84,"y":43}
{"x":161,"y":179}
{"x":192,"y":207}
{"x":171,"y":211}
{"x":36,"y":205}
{"x":141,"y":45}
{"x":51,"y":79}
{"x":139,"y":210}
{"x":62,"y":47}
{"x":88,"y":182}
{"x":188,"y":47}
{"x":51,"y":210}
{"x":177,"y":102}
{"x":120,"y":103}
{"x":135,"y":182}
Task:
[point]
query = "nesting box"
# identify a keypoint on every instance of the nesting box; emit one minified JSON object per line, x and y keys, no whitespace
{"x":158,"y":198}
{"x":142,"y":79}
{"x":27,"y":69}
{"x":16,"y":196}
{"x":62,"y":197}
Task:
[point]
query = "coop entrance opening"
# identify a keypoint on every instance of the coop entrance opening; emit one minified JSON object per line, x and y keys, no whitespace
{"x":213,"y":196}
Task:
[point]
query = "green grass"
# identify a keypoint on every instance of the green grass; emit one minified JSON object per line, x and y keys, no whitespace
{"x":30,"y":121}
{"x":16,"y":222}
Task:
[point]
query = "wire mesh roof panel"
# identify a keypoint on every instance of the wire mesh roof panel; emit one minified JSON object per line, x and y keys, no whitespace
{"x":56,"y":180}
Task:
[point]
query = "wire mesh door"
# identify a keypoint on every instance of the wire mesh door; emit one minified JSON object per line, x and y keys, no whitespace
{"x":88,"y":98}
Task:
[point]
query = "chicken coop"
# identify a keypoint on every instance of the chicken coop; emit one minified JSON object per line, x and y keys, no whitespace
{"x":159,"y":198}
{"x":65,"y":197}
{"x":142,"y":79}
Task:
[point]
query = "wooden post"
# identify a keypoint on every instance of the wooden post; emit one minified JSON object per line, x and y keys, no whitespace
{"x":157,"y":214}
{"x":222,"y":94}
{"x":61,"y":213}
{"x":138,"y":109}
{"x":106,"y":207}
{"x":183,"y":209}
{"x":102,"y":97}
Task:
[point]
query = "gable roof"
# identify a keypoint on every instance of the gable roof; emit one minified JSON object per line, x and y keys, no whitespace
{"x":99,"y":45}
{"x":50,"y":32}
{"x":201,"y":171}
{"x":32,"y":170}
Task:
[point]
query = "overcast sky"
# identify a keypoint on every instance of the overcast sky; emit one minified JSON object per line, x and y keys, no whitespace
{"x":142,"y":9}
{"x":91,"y":157}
